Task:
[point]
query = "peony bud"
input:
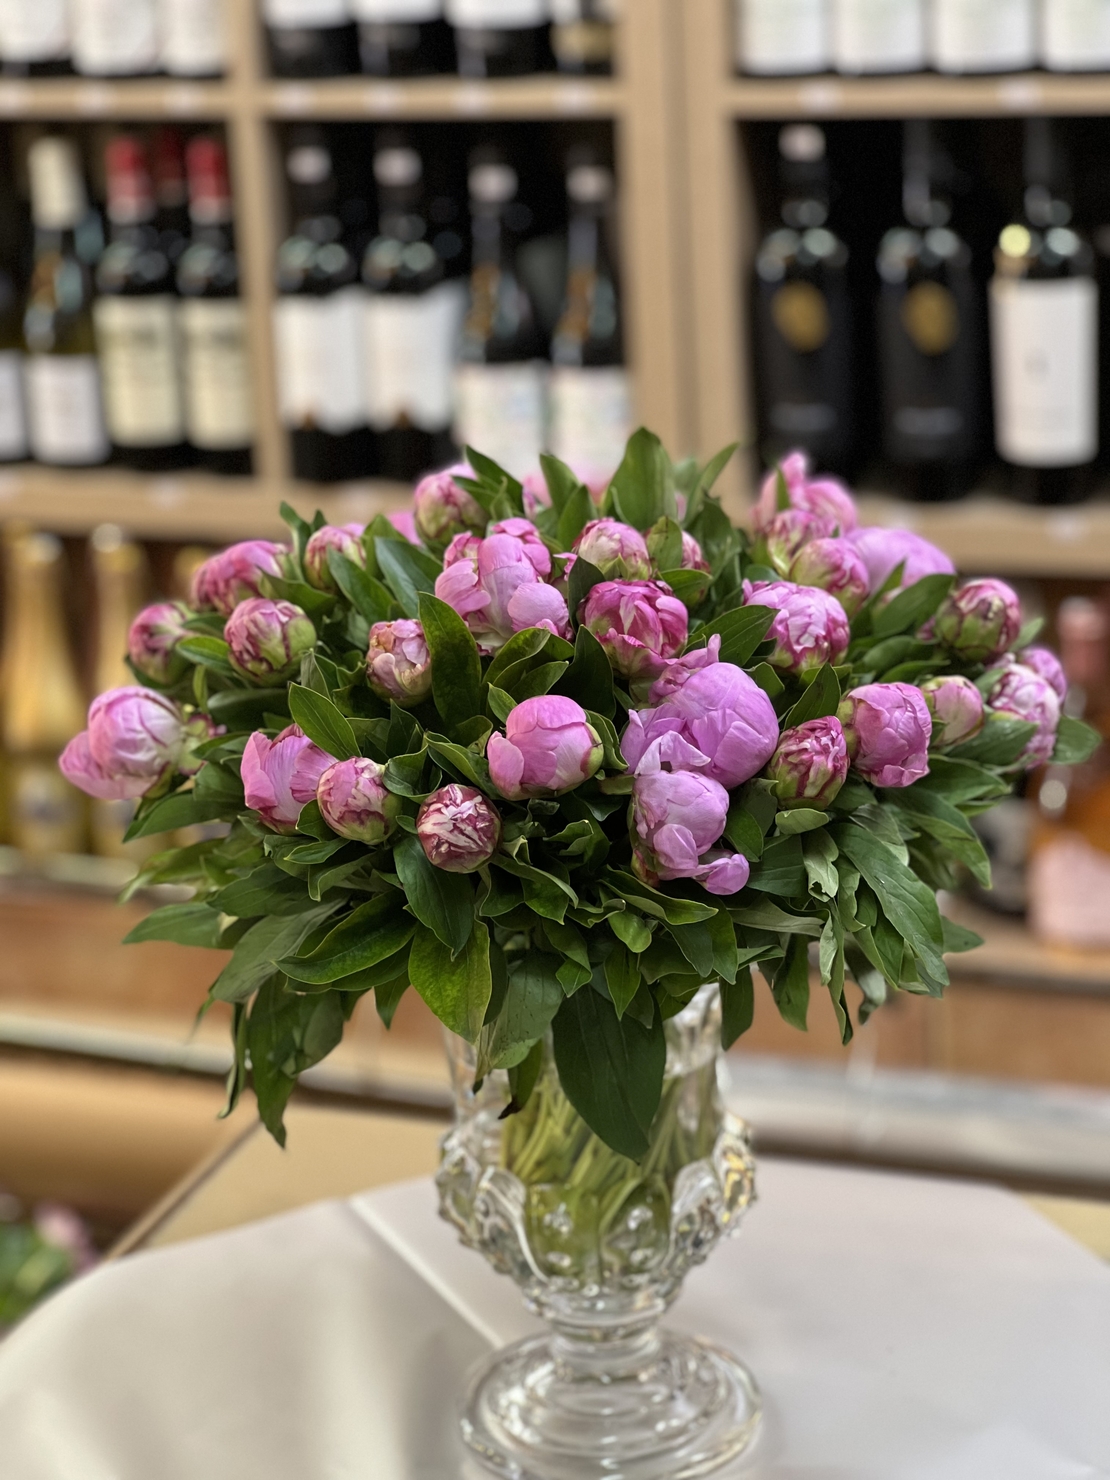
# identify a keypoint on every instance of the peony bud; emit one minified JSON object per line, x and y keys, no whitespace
{"x":887,"y":727}
{"x":811,"y":764}
{"x":677,"y":817}
{"x":135,"y":739}
{"x":398,"y":663}
{"x":459,"y":829}
{"x":1022,"y":693}
{"x":404,"y":523}
{"x":235,"y":574}
{"x":280,"y":776}
{"x":692,"y":556}
{"x":1047,"y":664}
{"x":346,"y":538}
{"x":494,"y":587}
{"x":153,"y":638}
{"x":616,"y":549}
{"x":788,"y":534}
{"x":720,"y":722}
{"x":355,"y":803}
{"x":442,"y":509}
{"x":549,"y":746}
{"x":980,"y":621}
{"x":640,"y":624}
{"x":883,"y":550}
{"x":956,"y":706}
{"x":529,"y":536}
{"x":834,"y":566}
{"x":267,"y":639}
{"x":809,"y":629}
{"x":822,"y":496}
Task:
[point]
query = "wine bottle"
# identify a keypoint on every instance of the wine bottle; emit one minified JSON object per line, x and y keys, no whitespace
{"x":412,"y":320}
{"x":1044,"y":314}
{"x":1075,"y":35}
{"x":135,"y":314}
{"x":591,"y":398}
{"x":62,"y":381}
{"x":13,"y":416}
{"x":403,"y":38}
{"x":803,"y":315}
{"x":34,"y":38}
{"x":319,"y":324}
{"x":782,"y":38}
{"x":114,"y":38}
{"x":983,"y":35}
{"x":929,"y":314}
{"x":501,"y":379}
{"x":582,"y":35}
{"x":219,"y":407}
{"x":500,"y":38}
{"x":171,"y":192}
{"x":310,"y":38}
{"x":41,"y":704}
{"x":194,"y":37}
{"x":879,"y":35}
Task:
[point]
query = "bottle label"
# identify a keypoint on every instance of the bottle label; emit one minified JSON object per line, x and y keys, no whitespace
{"x":801,"y":315}
{"x":319,"y":345}
{"x":931,"y":317}
{"x":501,"y":411}
{"x":1044,"y":352}
{"x":410,"y":353}
{"x":1076,"y":35}
{"x":47,"y":815}
{"x":393,"y":12}
{"x":1069,"y":893}
{"x":219,"y":414}
{"x":591,"y":418}
{"x":879,"y":35}
{"x":507,"y":15}
{"x":567,"y":12}
{"x":782,"y":37}
{"x":983,"y":35}
{"x":313,"y":15}
{"x":113,"y":38}
{"x":194,"y":37}
{"x":583,"y":43}
{"x":13,"y":420}
{"x":64,"y":414}
{"x":137,"y":339}
{"x":34,"y":30}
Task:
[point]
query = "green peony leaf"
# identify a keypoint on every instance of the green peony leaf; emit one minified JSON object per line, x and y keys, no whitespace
{"x":442,"y":902}
{"x":589,"y":679}
{"x":583,"y":578}
{"x":820,"y":699}
{"x":908,"y":903}
{"x":407,"y":572}
{"x":323,"y":722}
{"x":737,"y":1007}
{"x":741,"y":632}
{"x":192,"y":924}
{"x":259,"y":950}
{"x":1076,"y":742}
{"x":611,"y":1070}
{"x":913,"y":607}
{"x":456,"y":666}
{"x":790,"y":987}
{"x":368,"y":596}
{"x":576,"y":513}
{"x":370,"y":934}
{"x":457,"y":988}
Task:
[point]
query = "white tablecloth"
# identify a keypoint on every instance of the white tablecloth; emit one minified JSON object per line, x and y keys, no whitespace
{"x":901,"y":1328}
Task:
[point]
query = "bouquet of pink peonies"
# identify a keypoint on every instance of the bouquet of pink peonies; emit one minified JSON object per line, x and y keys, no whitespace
{"x":555,"y":765}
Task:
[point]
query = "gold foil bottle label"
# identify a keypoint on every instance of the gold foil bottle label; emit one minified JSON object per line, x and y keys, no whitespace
{"x":931,"y":318}
{"x":801,"y":316}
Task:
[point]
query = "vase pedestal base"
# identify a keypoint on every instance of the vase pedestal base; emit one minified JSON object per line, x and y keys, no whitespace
{"x":531,"y":1414}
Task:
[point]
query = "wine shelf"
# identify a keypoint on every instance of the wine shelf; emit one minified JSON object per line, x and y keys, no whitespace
{"x":446,"y":97}
{"x":926,"y":95}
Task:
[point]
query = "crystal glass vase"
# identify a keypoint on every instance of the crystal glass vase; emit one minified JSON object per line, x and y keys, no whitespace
{"x":599,"y":1246}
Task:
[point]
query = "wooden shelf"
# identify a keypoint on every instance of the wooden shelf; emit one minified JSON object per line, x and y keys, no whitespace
{"x":1013,"y":957}
{"x":80,"y":97}
{"x":445,"y":97}
{"x":185,"y":506}
{"x":927,"y":95}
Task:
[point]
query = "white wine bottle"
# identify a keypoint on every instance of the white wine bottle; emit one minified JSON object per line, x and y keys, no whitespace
{"x":782,"y":38}
{"x":114,"y":38}
{"x":41,"y":704}
{"x":1075,"y":35}
{"x":34,"y":38}
{"x":878,"y":35}
{"x":64,"y":412}
{"x":983,"y":35}
{"x":193,"y":37}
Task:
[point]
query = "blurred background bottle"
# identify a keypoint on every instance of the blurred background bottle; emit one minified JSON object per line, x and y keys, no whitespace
{"x":310,"y":38}
{"x":1075,"y":35}
{"x":782,"y":38}
{"x":871,"y":36}
{"x":403,"y":38}
{"x":34,"y":38}
{"x":13,"y":226}
{"x":500,"y":38}
{"x":582,"y":35}
{"x":983,"y":35}
{"x":193,"y":36}
{"x":114,"y":38}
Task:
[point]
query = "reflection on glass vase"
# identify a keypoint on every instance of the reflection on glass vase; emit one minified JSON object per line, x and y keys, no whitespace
{"x":599,"y":1246}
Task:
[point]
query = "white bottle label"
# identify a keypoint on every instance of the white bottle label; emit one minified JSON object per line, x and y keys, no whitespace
{"x":983,"y":35}
{"x":313,"y":15}
{"x":137,"y":340}
{"x":13,"y":420}
{"x":501,"y":410}
{"x":219,"y":414}
{"x":1076,"y":35}
{"x":390,"y":12}
{"x":34,"y":30}
{"x":779,"y":38}
{"x":410,"y":355}
{"x":64,"y":415}
{"x":1044,"y":355}
{"x":319,"y":343}
{"x":879,"y":35}
{"x":114,"y":38}
{"x":507,"y":15}
{"x":194,"y":37}
{"x":591,"y":417}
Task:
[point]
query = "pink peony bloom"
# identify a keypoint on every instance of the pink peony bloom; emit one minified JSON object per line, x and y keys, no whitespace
{"x":280,"y":776}
{"x":677,"y":670}
{"x":615,"y":548}
{"x":888,"y":728}
{"x":459,"y":829}
{"x":883,"y":550}
{"x":404,"y":522}
{"x":823,"y":496}
{"x":235,"y":574}
{"x":549,"y":746}
{"x":720,"y":722}
{"x":692,"y":557}
{"x":529,"y":536}
{"x":355,"y":803}
{"x":810,"y":765}
{"x":498,"y":592}
{"x":135,"y":739}
{"x":1022,"y":693}
{"x":810,"y":627}
{"x":788,"y":534}
{"x":677,"y":817}
{"x":640,"y":624}
{"x":398,"y":663}
{"x":956,"y":706}
{"x":441,"y":509}
{"x":346,"y":538}
{"x":835,"y":566}
{"x":267,"y":639}
{"x":1047,"y":664}
{"x":153,"y":638}
{"x":980,"y":621}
